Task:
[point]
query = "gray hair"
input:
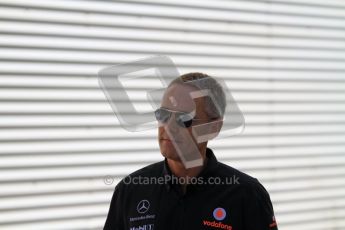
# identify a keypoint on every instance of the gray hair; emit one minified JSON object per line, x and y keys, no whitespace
{"x":214,"y":109}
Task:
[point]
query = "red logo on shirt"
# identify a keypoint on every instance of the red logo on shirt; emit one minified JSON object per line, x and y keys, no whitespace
{"x":274,"y":223}
{"x":218,"y":214}
{"x":216,"y":224}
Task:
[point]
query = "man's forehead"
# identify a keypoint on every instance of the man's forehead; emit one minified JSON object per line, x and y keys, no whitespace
{"x":177,"y":97}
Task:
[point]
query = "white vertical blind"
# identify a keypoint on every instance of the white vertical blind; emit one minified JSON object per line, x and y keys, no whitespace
{"x":284,"y":61}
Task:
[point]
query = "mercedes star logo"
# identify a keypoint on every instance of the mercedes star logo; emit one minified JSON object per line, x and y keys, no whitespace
{"x":143,"y":206}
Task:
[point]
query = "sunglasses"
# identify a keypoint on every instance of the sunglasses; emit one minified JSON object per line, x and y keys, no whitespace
{"x":183,"y":119}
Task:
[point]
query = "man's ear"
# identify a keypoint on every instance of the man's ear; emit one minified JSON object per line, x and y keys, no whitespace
{"x":208,"y":131}
{"x":216,"y":126}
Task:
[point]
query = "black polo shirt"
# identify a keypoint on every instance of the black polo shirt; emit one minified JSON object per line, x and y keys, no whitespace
{"x":221,"y":197}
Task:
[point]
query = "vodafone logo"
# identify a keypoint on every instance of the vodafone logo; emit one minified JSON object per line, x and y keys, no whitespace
{"x":219,"y":214}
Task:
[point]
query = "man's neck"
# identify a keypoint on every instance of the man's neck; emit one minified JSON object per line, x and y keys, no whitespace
{"x":179,"y":170}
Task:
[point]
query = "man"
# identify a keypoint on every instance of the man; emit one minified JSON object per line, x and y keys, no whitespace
{"x":189,"y":197}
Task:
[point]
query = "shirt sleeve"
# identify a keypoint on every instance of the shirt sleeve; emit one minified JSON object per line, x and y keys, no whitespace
{"x":115,"y":220}
{"x":259,"y":214}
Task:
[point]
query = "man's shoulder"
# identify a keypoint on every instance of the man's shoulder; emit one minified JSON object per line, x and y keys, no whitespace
{"x":149,"y":171}
{"x":154,"y":169}
{"x":244,"y":180}
{"x":226,"y":170}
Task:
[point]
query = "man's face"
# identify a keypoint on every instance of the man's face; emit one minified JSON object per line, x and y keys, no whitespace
{"x":177,"y":98}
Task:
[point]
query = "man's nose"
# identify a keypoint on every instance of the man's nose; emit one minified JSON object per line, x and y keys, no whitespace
{"x":172,"y":125}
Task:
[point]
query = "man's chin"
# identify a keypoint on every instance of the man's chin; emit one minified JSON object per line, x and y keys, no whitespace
{"x":171,"y":155}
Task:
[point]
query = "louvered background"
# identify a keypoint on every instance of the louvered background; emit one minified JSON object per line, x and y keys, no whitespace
{"x":283,"y":60}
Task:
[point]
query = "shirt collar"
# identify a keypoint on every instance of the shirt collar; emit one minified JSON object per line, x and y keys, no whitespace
{"x":211,"y":165}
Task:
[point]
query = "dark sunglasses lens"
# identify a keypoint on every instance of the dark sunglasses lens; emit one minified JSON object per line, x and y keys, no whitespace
{"x":188,"y":124}
{"x":162,"y":115}
{"x":184,"y":120}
